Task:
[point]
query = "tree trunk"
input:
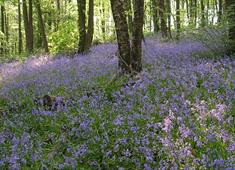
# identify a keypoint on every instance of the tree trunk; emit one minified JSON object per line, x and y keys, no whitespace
{"x":103,"y":23}
{"x":20,"y":46}
{"x":7,"y":27}
{"x":129,"y":15}
{"x":121,"y":26}
{"x":202,"y":13}
{"x":90,"y":29}
{"x":30,"y":26}
{"x":188,"y":11}
{"x":2,"y":26}
{"x":3,"y":19}
{"x":220,"y":11}
{"x":230,"y":8}
{"x":213,"y":14}
{"x":82,"y":24}
{"x":168,"y":4}
{"x":207,"y":12}
{"x":162,"y":17}
{"x":39,"y":41}
{"x":41,"y":26}
{"x":25,"y":17}
{"x":191,"y":13}
{"x":155,"y":16}
{"x":57,"y":20}
{"x":195,"y":13}
{"x":138,"y":23}
{"x":6,"y":31}
{"x":150,"y":17}
{"x":178,"y":19}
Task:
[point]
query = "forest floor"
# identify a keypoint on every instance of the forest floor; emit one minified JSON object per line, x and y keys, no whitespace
{"x":178,"y":113}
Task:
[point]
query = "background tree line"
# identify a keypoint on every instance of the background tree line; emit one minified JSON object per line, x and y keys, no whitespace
{"x":29,"y":26}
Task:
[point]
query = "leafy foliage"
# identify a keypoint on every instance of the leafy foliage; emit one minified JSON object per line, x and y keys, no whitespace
{"x":65,"y":39}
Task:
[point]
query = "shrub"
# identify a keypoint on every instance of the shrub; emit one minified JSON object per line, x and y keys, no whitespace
{"x":65,"y":39}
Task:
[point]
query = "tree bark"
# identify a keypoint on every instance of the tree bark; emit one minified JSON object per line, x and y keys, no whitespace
{"x":25,"y":17}
{"x":168,"y":5}
{"x":138,"y":23}
{"x":6,"y":31}
{"x":202,"y":13}
{"x":82,"y":24}
{"x":177,"y":19}
{"x":90,"y":29}
{"x":195,"y":13}
{"x":129,"y":15}
{"x":121,"y":26}
{"x":30,"y":26}
{"x":188,"y":10}
{"x":20,"y":44}
{"x":155,"y":16}
{"x":162,"y":17}
{"x":230,"y":8}
{"x":103,"y":23}
{"x":41,"y":26}
{"x":2,"y":26}
{"x":3,"y":19}
{"x":57,"y":20}
{"x":220,"y":11}
{"x":192,"y":13}
{"x":7,"y":27}
{"x":207,"y":11}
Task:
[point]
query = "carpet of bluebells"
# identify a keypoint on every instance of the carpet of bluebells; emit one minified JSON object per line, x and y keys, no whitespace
{"x":179,"y":113}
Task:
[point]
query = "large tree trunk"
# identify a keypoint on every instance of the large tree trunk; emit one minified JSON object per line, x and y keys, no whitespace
{"x":178,"y":19}
{"x":41,"y":26}
{"x":30,"y":26}
{"x":230,"y":8}
{"x":82,"y":24}
{"x":20,"y":46}
{"x":162,"y":17}
{"x":90,"y":29}
{"x":121,"y":26}
{"x":138,"y":23}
